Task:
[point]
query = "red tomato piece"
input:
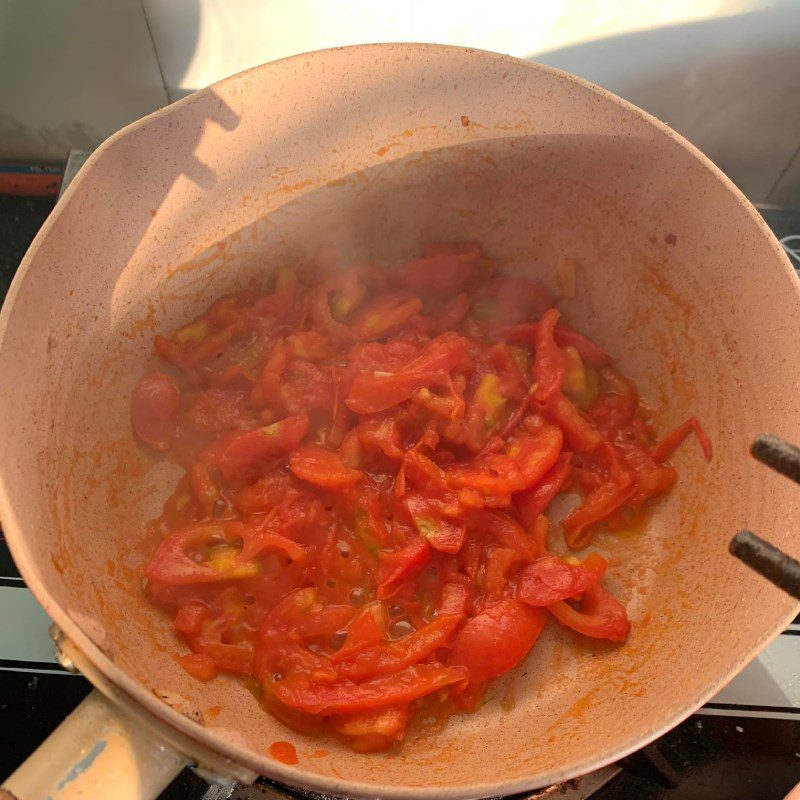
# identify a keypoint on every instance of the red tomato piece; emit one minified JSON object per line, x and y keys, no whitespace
{"x":537,"y":455}
{"x":443,"y":534}
{"x":367,"y":629}
{"x":374,"y":730}
{"x":154,"y":407}
{"x":598,"y":505}
{"x":392,"y":657}
{"x":499,"y":561}
{"x":589,"y":352}
{"x":497,"y":639}
{"x":204,"y":490}
{"x":306,"y":387}
{"x":349,"y":698}
{"x":379,"y":391}
{"x":600,"y":616}
{"x":322,"y":467}
{"x":402,"y":565}
{"x":548,"y":366}
{"x":579,"y":433}
{"x":533,"y":502}
{"x":669,"y":443}
{"x":253,"y":452}
{"x":199,"y":665}
{"x":383,"y":433}
{"x":190,"y":617}
{"x":504,"y":530}
{"x":550,"y":579}
{"x":179,"y":558}
{"x":384,"y":315}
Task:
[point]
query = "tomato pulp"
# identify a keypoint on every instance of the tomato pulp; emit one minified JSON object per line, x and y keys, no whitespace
{"x":370,"y":456}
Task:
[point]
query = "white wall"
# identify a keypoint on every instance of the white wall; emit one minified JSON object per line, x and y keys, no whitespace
{"x":725,"y":73}
{"x":71,"y":73}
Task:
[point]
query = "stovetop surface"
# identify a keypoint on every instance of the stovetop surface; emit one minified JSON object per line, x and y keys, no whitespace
{"x":744,"y":745}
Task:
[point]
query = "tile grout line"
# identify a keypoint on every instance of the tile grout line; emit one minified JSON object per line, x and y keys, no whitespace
{"x":155,"y":53}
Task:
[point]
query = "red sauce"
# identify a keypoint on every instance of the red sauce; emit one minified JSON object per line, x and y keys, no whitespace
{"x":284,"y":752}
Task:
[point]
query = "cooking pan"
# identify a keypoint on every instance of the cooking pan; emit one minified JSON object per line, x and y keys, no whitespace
{"x":376,"y":150}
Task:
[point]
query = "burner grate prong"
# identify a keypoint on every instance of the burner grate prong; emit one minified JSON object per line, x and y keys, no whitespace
{"x":766,"y":559}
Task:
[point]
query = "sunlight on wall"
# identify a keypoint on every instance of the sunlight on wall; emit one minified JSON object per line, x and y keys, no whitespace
{"x":236,"y":34}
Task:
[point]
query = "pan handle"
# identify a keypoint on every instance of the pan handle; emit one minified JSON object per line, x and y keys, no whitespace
{"x":97,"y":751}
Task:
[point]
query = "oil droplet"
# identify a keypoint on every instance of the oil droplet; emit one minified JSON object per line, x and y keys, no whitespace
{"x":283,"y":752}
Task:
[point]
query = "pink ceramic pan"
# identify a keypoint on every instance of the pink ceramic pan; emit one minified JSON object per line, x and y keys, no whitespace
{"x":376,"y":150}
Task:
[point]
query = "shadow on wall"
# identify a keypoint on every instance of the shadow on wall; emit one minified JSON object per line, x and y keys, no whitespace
{"x":731,"y":85}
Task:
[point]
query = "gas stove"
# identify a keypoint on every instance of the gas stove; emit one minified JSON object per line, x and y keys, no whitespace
{"x":744,"y":743}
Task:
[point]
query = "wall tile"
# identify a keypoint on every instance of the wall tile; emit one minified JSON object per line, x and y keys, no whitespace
{"x":72,"y":74}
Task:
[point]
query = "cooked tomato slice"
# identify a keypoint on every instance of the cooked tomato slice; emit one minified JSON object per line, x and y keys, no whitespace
{"x":444,"y":534}
{"x":664,"y":449}
{"x":402,"y":565}
{"x":533,"y":502}
{"x":548,"y":366}
{"x":580,"y":434}
{"x":600,"y":616}
{"x":252,"y":453}
{"x":598,"y":505}
{"x":348,"y":698}
{"x":496,"y":640}
{"x":201,"y":553}
{"x":537,"y":455}
{"x":367,"y":629}
{"x":374,"y":730}
{"x":587,"y":349}
{"x":395,"y":656}
{"x":384,"y":315}
{"x":323,"y":467}
{"x":550,"y":579}
{"x":379,"y":391}
{"x":154,"y":407}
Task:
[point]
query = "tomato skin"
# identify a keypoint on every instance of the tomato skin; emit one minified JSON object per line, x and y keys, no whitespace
{"x":371,"y":393}
{"x":323,"y":467}
{"x":598,"y":505}
{"x":496,"y":640}
{"x":402,"y":565}
{"x":199,"y":665}
{"x":533,"y":502}
{"x":589,"y":352}
{"x":375,"y":729}
{"x":382,"y":433}
{"x":401,"y":687}
{"x":537,"y":455}
{"x":443,"y":534}
{"x":367,"y":629}
{"x":548,"y":368}
{"x":384,"y":315}
{"x":664,"y":449}
{"x":601,"y":615}
{"x":549,"y":579}
{"x":154,"y":406}
{"x":580,"y":435}
{"x":251,"y":453}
